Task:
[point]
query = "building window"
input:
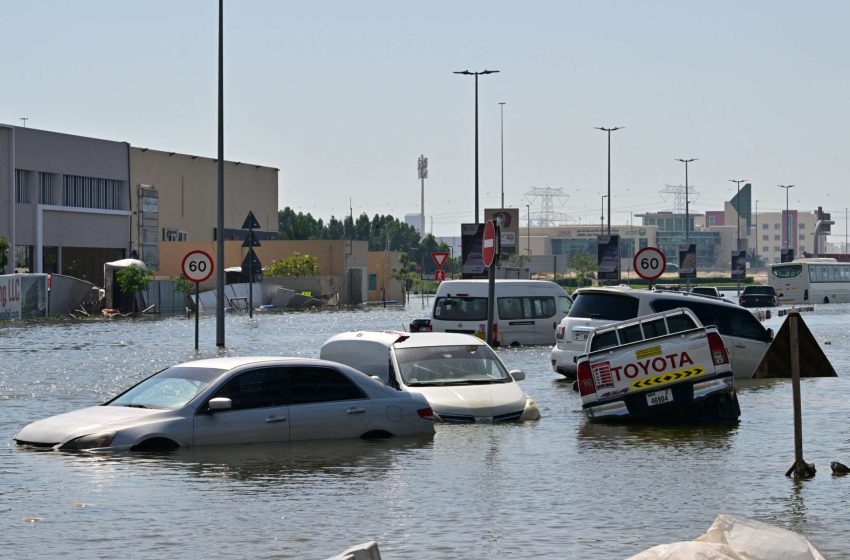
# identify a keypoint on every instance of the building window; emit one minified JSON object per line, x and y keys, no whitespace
{"x":765,"y":238}
{"x":765,"y":249}
{"x":765,"y":226}
{"x":802,"y":226}
{"x":23,"y":258}
{"x":50,"y":260}
{"x":777,"y":248}
{"x":373,"y":282}
{"x":174,"y":235}
{"x":777,"y":226}
{"x":802,"y":237}
{"x":45,"y":188}
{"x":22,"y":193}
{"x":92,"y":192}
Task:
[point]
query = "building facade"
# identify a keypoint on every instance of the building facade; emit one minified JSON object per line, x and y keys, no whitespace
{"x":66,"y":201}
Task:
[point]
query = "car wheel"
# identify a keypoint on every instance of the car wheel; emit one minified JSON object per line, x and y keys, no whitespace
{"x":377,"y":434}
{"x":156,"y":444}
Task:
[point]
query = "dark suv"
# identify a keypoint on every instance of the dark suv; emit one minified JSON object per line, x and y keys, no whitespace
{"x":759,"y":296}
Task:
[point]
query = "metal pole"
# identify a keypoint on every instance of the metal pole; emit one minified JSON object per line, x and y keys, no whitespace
{"x":502,"y":136}
{"x":197,"y":319}
{"x":476,"y":148}
{"x":785,"y":224}
{"x":609,"y":131}
{"x":528,"y":236}
{"x":219,"y":253}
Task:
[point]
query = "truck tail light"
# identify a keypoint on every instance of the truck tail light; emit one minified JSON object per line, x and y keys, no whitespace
{"x":718,"y":349}
{"x":585,"y":379}
{"x":559,"y":332}
{"x":426,"y":413}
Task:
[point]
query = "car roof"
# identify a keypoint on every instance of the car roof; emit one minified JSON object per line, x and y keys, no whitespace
{"x":655,"y":294}
{"x":231,"y":362}
{"x":408,"y":340}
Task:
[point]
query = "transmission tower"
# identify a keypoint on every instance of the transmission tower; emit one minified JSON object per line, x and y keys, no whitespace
{"x":546,"y":216}
{"x":677,"y":194}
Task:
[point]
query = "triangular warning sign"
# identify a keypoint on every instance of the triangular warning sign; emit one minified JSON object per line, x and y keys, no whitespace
{"x":251,"y":222}
{"x":439,"y":258}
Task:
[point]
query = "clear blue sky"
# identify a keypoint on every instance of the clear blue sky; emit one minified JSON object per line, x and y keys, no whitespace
{"x":344,"y":96}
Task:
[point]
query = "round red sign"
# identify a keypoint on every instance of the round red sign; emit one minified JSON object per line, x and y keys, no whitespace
{"x":488,"y":244}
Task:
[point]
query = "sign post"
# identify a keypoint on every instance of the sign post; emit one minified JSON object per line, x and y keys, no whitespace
{"x":250,"y":224}
{"x":197,"y":267}
{"x":489,"y":250}
{"x":439,"y":259}
{"x":649,"y":263}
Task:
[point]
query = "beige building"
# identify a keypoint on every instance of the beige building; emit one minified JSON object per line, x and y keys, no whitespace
{"x":174,"y":197}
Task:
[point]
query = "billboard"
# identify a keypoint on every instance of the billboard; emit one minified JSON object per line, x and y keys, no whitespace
{"x":608,"y":257}
{"x":786,"y":255}
{"x":472,"y":264}
{"x":739,"y":265}
{"x":507,"y":219}
{"x":23,"y":296}
{"x":687,"y":261}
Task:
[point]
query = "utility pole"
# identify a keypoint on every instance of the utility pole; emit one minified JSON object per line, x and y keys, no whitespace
{"x":219,"y":251}
{"x":423,"y":174}
{"x":687,"y":217}
{"x":502,"y":136}
{"x":787,"y":232}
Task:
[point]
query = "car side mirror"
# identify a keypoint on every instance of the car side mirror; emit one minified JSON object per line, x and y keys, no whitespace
{"x":220,"y":403}
{"x":517,"y":374}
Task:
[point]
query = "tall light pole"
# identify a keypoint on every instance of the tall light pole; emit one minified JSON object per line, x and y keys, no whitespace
{"x":756,"y":252}
{"x":219,"y":244}
{"x":476,"y":74}
{"x":422,"y":165}
{"x":687,"y":217}
{"x":738,"y":211}
{"x":787,"y":229}
{"x":502,"y":137}
{"x":609,"y":131}
{"x":602,"y":216}
{"x":528,"y":233}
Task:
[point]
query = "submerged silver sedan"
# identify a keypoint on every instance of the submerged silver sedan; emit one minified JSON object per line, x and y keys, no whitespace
{"x":234,"y":401}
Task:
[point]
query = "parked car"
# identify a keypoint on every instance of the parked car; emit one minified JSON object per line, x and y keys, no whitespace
{"x":234,"y":401}
{"x":706,"y":291}
{"x":759,"y":296}
{"x":460,"y":375}
{"x":662,"y":366}
{"x":745,"y":337}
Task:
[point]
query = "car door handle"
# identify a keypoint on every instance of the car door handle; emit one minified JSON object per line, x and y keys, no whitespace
{"x":740,"y":346}
{"x":353,"y":410}
{"x":275,"y":419}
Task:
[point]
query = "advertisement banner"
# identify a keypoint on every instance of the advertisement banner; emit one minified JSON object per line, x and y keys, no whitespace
{"x":472,"y":263}
{"x":786,"y":255}
{"x":23,"y":296}
{"x":739,"y":265}
{"x":687,"y":261}
{"x":608,"y":257}
{"x":507,"y":219}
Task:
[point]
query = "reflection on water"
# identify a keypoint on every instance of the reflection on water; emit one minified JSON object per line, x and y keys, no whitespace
{"x":561,"y":487}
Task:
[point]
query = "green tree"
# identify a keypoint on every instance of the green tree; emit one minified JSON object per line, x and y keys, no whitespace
{"x":132,"y":280}
{"x":584,"y":266}
{"x":4,"y":253}
{"x":298,"y":226}
{"x":294,"y":265}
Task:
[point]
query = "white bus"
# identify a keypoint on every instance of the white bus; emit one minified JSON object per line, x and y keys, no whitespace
{"x":818,"y":280}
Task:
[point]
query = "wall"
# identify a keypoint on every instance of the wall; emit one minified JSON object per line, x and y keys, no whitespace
{"x":381,"y":264}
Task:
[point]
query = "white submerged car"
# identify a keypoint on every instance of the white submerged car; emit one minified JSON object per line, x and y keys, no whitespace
{"x":461,"y":376}
{"x":236,"y":401}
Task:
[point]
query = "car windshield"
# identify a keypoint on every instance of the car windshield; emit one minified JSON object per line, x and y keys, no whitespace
{"x":759,"y":290}
{"x":450,"y":365}
{"x":171,"y":388}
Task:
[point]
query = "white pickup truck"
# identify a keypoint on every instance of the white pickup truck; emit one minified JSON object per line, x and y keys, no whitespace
{"x":663,"y":366}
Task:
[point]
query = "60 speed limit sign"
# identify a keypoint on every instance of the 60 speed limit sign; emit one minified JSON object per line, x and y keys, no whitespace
{"x":649,"y":263}
{"x":197,"y":266}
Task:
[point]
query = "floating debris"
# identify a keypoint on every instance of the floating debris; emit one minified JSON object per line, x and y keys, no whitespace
{"x":33,"y":519}
{"x":839,"y":468}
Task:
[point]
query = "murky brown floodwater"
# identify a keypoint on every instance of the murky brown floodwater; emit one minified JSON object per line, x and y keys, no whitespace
{"x":557,"y":488}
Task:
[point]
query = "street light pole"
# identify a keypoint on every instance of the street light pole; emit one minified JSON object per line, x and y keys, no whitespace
{"x":609,"y":131}
{"x":787,"y":232}
{"x":687,"y":218}
{"x":528,"y":232}
{"x":476,"y":74}
{"x":602,"y":217}
{"x":502,"y":137}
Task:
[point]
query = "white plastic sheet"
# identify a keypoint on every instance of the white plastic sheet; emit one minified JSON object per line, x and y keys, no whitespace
{"x":731,"y":538}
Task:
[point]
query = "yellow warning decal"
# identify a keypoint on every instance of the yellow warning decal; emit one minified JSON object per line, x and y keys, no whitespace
{"x":669,"y":377}
{"x":644,"y":353}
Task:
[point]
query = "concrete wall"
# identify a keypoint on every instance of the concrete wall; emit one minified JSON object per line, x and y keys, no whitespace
{"x":381,"y":264}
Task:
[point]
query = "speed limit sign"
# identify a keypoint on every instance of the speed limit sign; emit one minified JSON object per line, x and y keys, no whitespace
{"x":197,"y":266}
{"x":649,"y":263}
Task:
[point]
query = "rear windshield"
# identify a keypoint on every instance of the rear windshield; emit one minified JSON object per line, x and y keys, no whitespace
{"x":611,"y":307}
{"x":759,"y":290}
{"x":460,"y":308}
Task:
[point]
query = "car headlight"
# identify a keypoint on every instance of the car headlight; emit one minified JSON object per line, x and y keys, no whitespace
{"x":91,"y":441}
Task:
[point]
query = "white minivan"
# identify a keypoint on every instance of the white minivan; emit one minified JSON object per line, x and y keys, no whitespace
{"x":745,"y":337}
{"x":526,"y":311}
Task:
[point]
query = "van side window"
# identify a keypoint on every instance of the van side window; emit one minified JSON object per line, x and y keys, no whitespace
{"x":531,"y":307}
{"x":460,"y":308}
{"x":630,"y":334}
{"x":509,"y":307}
{"x":604,"y":340}
{"x":652,"y":329}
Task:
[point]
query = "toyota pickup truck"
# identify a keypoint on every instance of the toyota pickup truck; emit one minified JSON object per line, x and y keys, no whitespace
{"x":663,"y":367}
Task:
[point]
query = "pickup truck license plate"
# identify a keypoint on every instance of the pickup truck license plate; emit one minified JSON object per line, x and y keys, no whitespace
{"x":659,"y":397}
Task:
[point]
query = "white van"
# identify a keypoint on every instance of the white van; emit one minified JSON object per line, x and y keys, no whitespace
{"x":526,"y":311}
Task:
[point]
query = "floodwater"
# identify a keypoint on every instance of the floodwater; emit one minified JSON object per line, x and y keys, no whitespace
{"x":557,"y":488}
